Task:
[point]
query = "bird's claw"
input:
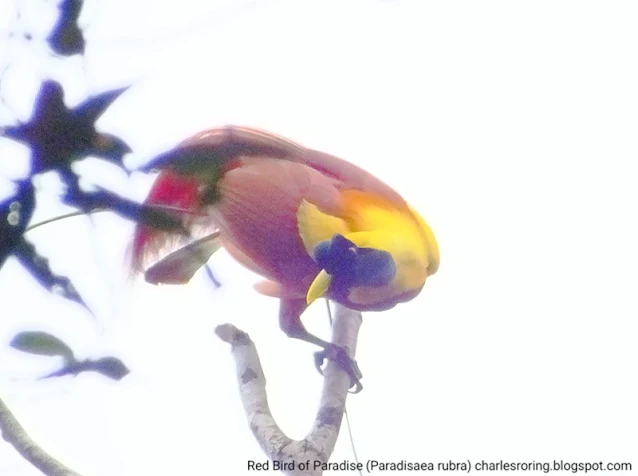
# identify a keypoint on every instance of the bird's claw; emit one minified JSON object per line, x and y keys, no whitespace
{"x":340,"y":356}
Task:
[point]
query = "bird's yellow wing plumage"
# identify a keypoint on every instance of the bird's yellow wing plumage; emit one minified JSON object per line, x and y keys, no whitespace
{"x":383,"y":226}
{"x":316,"y":226}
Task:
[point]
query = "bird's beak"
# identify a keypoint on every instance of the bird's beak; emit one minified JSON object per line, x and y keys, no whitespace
{"x":318,"y":287}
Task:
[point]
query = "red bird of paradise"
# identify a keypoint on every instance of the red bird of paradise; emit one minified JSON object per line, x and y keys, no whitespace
{"x":310,"y":223}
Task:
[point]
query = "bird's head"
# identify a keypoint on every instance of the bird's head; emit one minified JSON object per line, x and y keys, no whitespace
{"x":345,"y":265}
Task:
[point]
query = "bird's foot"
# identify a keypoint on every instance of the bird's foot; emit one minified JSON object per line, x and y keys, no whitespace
{"x":348,"y":365}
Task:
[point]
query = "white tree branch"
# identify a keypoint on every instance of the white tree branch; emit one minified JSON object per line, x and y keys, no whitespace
{"x":319,"y":444}
{"x":14,"y":434}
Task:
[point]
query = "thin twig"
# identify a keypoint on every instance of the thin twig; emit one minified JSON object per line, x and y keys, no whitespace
{"x":101,"y":210}
{"x":14,"y":434}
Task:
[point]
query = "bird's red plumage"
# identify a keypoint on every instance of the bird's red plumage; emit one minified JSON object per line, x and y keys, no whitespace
{"x":263,"y":181}
{"x":259,"y":182}
{"x":168,"y":189}
{"x":257,"y":211}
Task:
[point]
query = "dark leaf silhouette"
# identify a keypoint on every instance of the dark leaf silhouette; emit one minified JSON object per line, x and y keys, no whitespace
{"x":41,"y":343}
{"x":15,"y":214}
{"x":39,"y":268}
{"x":66,"y":38}
{"x":147,"y":215}
{"x":57,"y":136}
{"x":110,"y":367}
{"x":96,"y":105}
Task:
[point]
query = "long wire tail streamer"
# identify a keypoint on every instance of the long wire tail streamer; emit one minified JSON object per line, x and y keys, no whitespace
{"x":345,"y":410}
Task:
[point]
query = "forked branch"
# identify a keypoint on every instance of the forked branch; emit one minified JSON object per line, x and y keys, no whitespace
{"x":319,"y":444}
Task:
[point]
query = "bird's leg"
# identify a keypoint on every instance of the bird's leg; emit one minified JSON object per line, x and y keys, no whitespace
{"x":290,"y":323}
{"x":340,"y":355}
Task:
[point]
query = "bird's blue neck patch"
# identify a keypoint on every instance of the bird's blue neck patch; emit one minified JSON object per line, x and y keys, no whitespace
{"x":352,"y":266}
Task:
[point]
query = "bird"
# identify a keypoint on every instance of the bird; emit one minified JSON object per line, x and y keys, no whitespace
{"x":311,"y":224}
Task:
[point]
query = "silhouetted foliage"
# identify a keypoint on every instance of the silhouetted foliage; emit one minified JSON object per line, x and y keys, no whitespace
{"x":15,"y":214}
{"x":43,"y":343}
{"x":57,"y":136}
{"x":38,"y":267}
{"x":66,"y":38}
{"x":103,"y":199}
{"x":110,"y":367}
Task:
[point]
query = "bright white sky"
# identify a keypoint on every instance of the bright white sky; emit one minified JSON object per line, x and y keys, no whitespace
{"x":511,"y":126}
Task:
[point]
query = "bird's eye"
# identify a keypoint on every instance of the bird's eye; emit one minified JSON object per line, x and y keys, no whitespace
{"x":352,"y":250}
